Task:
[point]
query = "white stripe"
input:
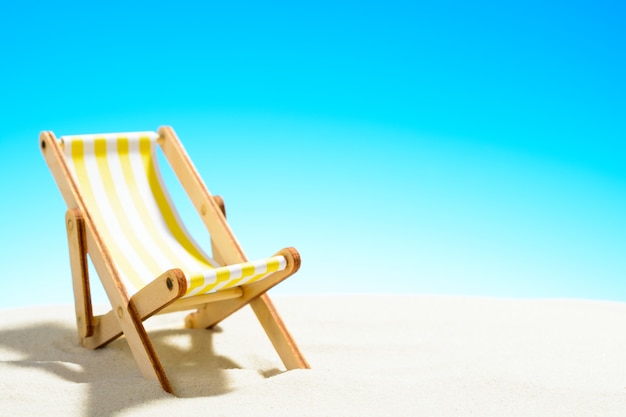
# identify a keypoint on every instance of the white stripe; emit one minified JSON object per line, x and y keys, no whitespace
{"x":90,"y":138}
{"x":70,"y":161}
{"x":132,"y":213}
{"x":111,"y":223}
{"x":258,"y":269}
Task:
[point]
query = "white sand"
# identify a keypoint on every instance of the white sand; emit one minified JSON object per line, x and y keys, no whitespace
{"x":371,"y":356}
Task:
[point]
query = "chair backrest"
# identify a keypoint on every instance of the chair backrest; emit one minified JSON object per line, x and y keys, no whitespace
{"x":124,"y":194}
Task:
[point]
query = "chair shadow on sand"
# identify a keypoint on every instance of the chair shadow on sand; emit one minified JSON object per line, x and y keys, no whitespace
{"x":114,"y":381}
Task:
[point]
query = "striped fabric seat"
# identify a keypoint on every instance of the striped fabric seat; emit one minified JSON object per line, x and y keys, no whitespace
{"x":125,"y":196}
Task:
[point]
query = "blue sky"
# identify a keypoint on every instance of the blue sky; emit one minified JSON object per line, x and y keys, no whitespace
{"x":448,"y":147}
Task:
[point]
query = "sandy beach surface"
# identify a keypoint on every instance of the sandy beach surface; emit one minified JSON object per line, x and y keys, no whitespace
{"x":370,"y":356}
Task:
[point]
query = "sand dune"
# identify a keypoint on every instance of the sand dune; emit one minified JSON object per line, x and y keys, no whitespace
{"x":371,"y":356}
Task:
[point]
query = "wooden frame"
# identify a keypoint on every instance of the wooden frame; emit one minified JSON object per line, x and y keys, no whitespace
{"x":163,"y":294}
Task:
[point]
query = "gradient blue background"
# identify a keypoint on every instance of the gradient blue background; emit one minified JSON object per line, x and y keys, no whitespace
{"x":442,"y":147}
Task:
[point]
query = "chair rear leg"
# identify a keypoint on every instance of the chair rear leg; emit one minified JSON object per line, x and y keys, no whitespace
{"x":77,"y":244}
{"x":284,"y":344}
{"x":254,"y":294}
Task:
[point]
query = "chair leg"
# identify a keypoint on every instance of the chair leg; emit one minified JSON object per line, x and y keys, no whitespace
{"x":262,"y":306}
{"x":275,"y":328}
{"x":141,"y":346}
{"x":254,"y":294}
{"x":126,"y":313}
{"x":77,"y":244}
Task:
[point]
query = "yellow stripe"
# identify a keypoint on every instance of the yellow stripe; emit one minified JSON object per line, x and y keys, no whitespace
{"x":197,"y":280}
{"x":123,"y":150}
{"x":223,"y":274}
{"x":82,"y":175}
{"x":167,"y":212}
{"x":119,"y":211}
{"x":272,"y":266}
{"x":247,"y":269}
{"x":208,"y":288}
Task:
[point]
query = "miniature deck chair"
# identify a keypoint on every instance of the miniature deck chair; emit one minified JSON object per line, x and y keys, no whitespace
{"x":121,"y":215}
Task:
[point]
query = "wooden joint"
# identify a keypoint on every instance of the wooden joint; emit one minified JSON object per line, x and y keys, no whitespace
{"x":45,"y":141}
{"x":160,"y":293}
{"x":220,"y":203}
{"x":292,"y":256}
{"x":150,"y":300}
